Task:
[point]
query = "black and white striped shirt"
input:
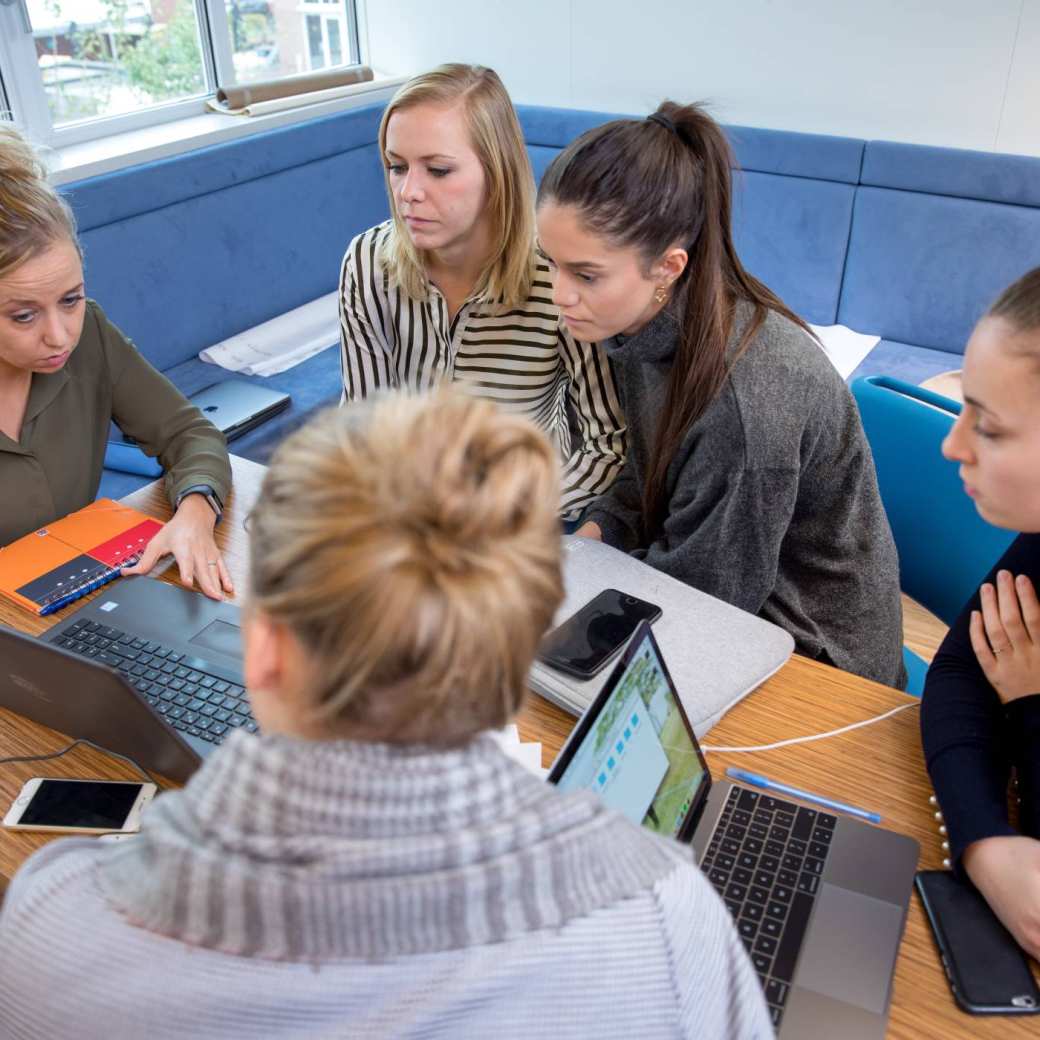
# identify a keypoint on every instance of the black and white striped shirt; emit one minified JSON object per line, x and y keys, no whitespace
{"x":522,"y":359}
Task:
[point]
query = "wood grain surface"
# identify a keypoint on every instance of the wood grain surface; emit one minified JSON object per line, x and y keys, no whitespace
{"x":878,"y":767}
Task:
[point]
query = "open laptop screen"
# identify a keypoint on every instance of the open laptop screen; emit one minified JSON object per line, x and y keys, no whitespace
{"x":634,"y":746}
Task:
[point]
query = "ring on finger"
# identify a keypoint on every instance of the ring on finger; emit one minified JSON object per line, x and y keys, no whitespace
{"x":211,"y":563}
{"x":1000,"y":649}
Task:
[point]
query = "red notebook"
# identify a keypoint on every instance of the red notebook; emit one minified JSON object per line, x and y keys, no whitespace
{"x":58,"y":564}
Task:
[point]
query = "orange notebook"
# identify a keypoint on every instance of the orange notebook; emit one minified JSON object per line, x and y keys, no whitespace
{"x":58,"y":564}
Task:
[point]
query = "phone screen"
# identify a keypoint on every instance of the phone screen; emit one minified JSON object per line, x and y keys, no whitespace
{"x":80,"y":803}
{"x":587,"y":640}
{"x":987,"y":969}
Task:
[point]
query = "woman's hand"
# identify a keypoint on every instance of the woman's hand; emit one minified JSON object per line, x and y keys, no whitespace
{"x":590,"y":529}
{"x":1006,"y":871}
{"x":1006,"y":636}
{"x":189,"y":537}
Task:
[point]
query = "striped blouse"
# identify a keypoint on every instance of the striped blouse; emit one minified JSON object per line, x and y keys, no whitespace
{"x":522,"y":359}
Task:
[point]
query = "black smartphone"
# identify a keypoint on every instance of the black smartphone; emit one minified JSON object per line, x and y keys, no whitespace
{"x":986,"y":968}
{"x":587,"y":640}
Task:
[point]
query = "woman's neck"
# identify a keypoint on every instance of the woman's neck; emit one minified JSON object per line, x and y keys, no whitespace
{"x":14,"y":398}
{"x":456,"y":268}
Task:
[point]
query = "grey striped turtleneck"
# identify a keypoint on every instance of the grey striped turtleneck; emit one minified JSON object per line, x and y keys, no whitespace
{"x":439,"y":893}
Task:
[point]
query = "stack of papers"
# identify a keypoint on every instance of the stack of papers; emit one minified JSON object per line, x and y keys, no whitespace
{"x":282,"y":342}
{"x":528,"y":754}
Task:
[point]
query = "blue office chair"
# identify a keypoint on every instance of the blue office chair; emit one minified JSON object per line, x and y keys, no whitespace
{"x":945,"y":547}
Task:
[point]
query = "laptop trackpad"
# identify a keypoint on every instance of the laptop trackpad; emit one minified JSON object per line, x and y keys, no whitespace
{"x":851,"y":948}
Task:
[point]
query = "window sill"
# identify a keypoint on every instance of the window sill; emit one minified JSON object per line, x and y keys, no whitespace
{"x":160,"y":141}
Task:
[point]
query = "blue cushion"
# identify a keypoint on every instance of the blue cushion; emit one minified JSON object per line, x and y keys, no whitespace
{"x":185,"y":276}
{"x":555,"y":128}
{"x":945,"y":547}
{"x":791,"y":154}
{"x":1013,"y":179}
{"x":916,"y":671}
{"x":791,"y":232}
{"x":115,"y":484}
{"x":140,"y":189}
{"x":904,"y":361}
{"x":923,"y":268}
{"x":768,"y":151}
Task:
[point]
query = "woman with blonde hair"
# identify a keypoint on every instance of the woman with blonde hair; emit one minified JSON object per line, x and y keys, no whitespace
{"x":450,"y":288}
{"x":372,"y":864}
{"x":66,"y":372}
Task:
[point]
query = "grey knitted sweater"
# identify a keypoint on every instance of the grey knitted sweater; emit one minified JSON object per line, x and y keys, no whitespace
{"x":316,"y":890}
{"x":773,"y":499}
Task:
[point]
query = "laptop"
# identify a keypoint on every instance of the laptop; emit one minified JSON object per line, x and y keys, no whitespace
{"x":235,"y":407}
{"x":819,"y":900}
{"x":148,"y":669}
{"x":700,"y":634}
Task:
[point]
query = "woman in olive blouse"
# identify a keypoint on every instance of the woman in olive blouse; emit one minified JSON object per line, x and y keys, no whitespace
{"x":66,"y":372}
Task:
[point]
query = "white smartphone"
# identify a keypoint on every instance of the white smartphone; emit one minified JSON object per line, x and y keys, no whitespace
{"x":79,"y":806}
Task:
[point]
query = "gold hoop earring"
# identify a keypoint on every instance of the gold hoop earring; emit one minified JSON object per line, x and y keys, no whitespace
{"x":660,"y":294}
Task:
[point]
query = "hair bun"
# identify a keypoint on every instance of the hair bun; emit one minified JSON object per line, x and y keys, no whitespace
{"x":413,"y":545}
{"x":18,"y":161}
{"x":32,"y":214}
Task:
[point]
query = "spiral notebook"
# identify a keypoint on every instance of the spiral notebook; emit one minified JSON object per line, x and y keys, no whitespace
{"x":64,"y":561}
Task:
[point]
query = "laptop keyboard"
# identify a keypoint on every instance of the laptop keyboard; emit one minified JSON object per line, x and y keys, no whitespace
{"x":765,"y":859}
{"x":176,"y":685}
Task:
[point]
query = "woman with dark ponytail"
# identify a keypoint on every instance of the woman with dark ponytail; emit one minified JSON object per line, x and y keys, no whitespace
{"x":748,"y":475}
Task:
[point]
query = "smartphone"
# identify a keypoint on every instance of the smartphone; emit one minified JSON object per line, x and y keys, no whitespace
{"x":79,"y":806}
{"x":987,"y":970}
{"x":587,"y":640}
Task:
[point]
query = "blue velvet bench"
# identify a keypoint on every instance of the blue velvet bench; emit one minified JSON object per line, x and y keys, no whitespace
{"x":903,"y":241}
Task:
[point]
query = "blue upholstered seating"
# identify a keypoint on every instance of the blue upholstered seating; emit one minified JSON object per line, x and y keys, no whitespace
{"x":945,"y":547}
{"x":908,"y":242}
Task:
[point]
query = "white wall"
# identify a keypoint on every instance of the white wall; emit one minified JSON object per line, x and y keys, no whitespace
{"x":963,"y":73}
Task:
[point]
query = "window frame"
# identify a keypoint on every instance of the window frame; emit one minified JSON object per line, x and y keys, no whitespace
{"x":23,"y":94}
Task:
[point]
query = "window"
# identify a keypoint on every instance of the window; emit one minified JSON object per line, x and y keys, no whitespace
{"x":76,"y":69}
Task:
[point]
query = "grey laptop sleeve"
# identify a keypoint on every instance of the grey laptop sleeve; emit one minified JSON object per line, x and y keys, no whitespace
{"x":716,"y":653}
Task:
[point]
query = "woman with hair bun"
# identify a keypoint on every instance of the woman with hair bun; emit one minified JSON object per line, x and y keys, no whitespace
{"x":66,"y":372}
{"x":450,"y":287}
{"x":372,"y":864}
{"x":748,"y":472}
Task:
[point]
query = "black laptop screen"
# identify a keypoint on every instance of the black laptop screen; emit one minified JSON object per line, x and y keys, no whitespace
{"x":637,"y":752}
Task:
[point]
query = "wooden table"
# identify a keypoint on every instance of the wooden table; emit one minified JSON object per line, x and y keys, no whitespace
{"x":879,"y":767}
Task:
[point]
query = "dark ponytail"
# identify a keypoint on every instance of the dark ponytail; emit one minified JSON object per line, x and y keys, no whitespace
{"x":1019,"y":303}
{"x":652,"y":184}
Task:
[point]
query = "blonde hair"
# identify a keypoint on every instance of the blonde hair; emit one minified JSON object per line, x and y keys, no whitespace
{"x":33,"y":216}
{"x":499,"y":143}
{"x":412,"y":546}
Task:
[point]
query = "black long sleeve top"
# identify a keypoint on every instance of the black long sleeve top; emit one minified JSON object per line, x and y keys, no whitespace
{"x":971,"y":740}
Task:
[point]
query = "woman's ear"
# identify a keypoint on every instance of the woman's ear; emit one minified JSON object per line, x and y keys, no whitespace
{"x":264,"y":650}
{"x":670,"y":266}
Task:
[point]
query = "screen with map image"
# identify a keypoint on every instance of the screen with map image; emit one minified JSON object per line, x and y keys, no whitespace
{"x":637,"y":754}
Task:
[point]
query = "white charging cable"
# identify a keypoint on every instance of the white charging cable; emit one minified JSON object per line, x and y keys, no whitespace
{"x":813,"y":736}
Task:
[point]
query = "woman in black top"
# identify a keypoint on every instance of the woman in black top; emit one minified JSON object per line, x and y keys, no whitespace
{"x":981,"y":709}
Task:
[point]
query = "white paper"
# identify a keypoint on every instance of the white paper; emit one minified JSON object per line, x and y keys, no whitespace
{"x":282,"y":342}
{"x":845,"y":348}
{"x":528,"y":754}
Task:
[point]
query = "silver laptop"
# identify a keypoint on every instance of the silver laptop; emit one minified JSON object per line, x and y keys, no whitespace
{"x":148,"y":669}
{"x":235,"y":406}
{"x":700,"y":635}
{"x":819,"y":900}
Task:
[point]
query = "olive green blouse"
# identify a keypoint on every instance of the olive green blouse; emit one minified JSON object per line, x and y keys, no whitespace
{"x":55,"y":467}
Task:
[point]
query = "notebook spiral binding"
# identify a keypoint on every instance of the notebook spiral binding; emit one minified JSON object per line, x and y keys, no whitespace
{"x":62,"y":599}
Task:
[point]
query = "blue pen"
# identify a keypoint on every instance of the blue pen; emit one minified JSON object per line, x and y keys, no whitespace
{"x":806,"y":796}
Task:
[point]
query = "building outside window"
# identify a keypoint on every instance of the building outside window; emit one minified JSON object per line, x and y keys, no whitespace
{"x":74,"y":69}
